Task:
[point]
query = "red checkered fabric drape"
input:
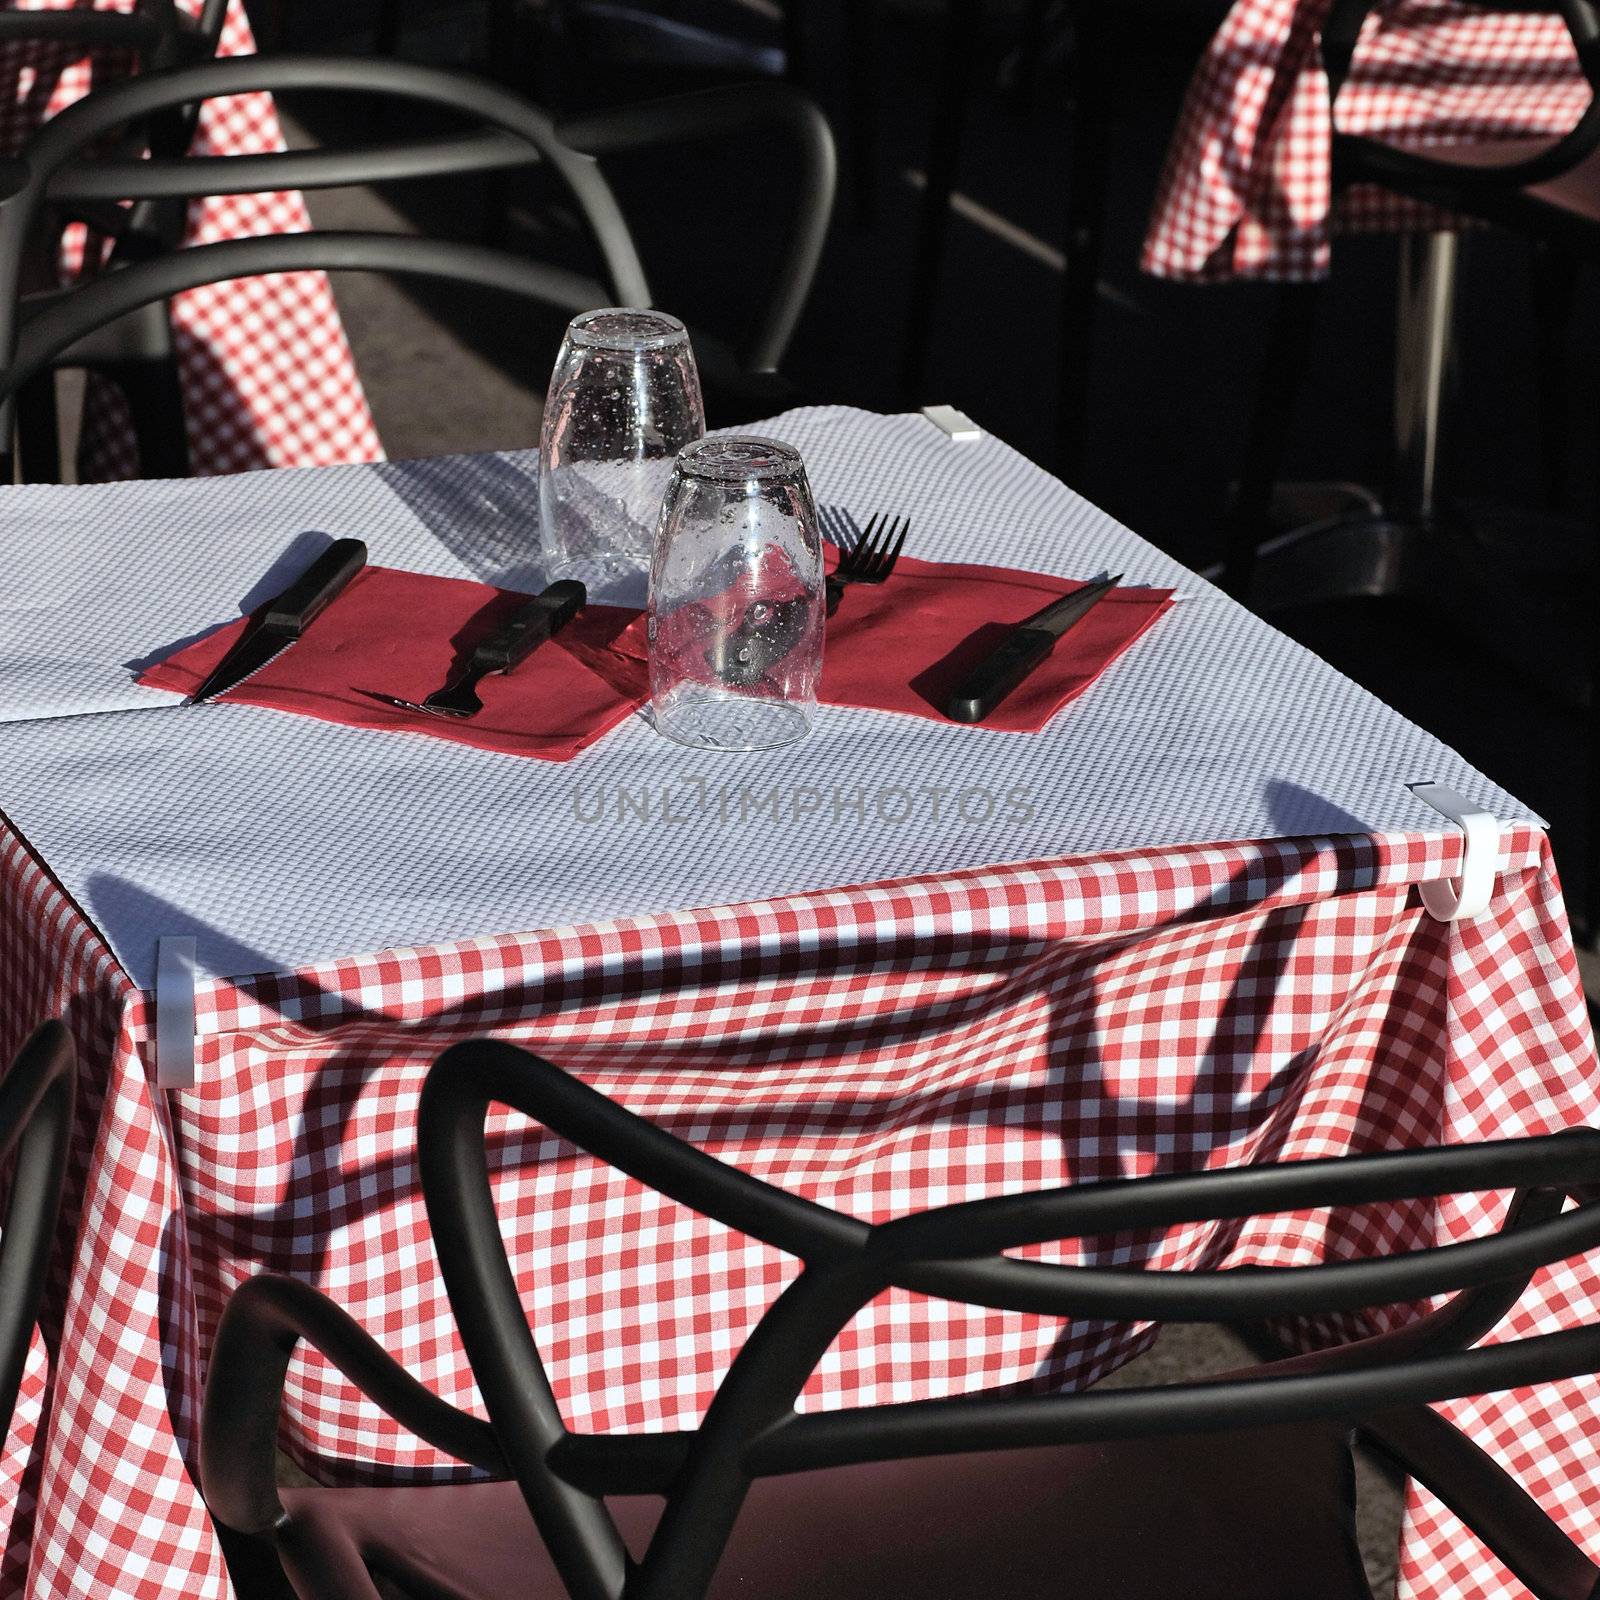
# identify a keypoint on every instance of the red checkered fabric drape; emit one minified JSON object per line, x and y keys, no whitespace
{"x":267,"y":373}
{"x":1246,"y":192}
{"x":880,"y":1049}
{"x":20,"y":1461}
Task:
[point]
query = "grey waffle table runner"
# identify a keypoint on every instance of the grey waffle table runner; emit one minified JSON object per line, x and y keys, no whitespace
{"x":277,"y":841}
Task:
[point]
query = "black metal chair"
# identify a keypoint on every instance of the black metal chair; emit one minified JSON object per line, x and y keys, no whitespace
{"x":1546,"y":188}
{"x":154,"y":35}
{"x":94,"y":324}
{"x":36,"y":1099}
{"x":1237,"y":1487}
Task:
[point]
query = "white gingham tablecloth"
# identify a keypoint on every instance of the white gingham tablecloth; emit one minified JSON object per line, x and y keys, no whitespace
{"x":1247,"y":189}
{"x":881,"y":1046}
{"x":267,"y":374}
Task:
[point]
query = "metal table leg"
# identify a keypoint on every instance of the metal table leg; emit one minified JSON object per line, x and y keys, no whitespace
{"x":1369,"y":548}
{"x":1424,"y":324}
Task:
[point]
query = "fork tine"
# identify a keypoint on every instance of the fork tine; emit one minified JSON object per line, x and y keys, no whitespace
{"x":871,"y":538}
{"x":883,"y":556}
{"x":857,"y":560}
{"x":892,"y":555}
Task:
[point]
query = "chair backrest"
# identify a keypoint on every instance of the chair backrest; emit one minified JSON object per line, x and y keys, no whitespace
{"x":154,"y":35}
{"x":1340,"y":34}
{"x":36,"y":1098}
{"x":957,"y":1252}
{"x":518,"y":134}
{"x":142,"y":30}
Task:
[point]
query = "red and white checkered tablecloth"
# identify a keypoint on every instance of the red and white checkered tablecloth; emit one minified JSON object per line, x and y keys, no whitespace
{"x":21,"y":1457}
{"x":1247,"y":192}
{"x":267,"y":373}
{"x":880,"y":1048}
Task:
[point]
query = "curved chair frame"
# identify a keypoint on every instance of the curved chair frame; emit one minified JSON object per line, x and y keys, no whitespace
{"x":154,"y":27}
{"x":1442,"y":182}
{"x":67,"y":319}
{"x":156,"y":34}
{"x":36,"y":1100}
{"x":751,"y":1429}
{"x":571,"y":150}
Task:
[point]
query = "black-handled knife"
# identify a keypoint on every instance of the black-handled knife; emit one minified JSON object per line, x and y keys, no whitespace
{"x":283,"y":619}
{"x":541,"y":619}
{"x":1028,"y":643}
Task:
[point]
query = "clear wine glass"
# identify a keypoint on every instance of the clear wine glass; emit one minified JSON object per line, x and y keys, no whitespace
{"x":736,"y":598}
{"x":624,"y":400}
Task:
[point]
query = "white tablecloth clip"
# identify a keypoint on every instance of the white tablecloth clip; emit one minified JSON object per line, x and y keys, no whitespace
{"x":175,"y":1013}
{"x":957,"y":424}
{"x":1470,"y":894}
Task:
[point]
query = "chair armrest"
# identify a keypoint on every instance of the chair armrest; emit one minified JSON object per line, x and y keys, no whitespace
{"x":720,"y":113}
{"x":1461,"y":1322}
{"x":1419,"y":1441}
{"x":81,"y":28}
{"x":1487,"y":1498}
{"x":263,"y":1322}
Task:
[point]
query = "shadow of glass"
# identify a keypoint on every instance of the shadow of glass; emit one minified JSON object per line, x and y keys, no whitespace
{"x":483,"y":509}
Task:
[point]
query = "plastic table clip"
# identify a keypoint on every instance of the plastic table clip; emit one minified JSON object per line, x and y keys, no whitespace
{"x":175,"y":1025}
{"x":961,"y":428}
{"x":1467,"y":897}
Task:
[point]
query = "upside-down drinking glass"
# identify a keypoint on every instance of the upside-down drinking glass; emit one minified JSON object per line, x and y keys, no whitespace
{"x":624,"y":400}
{"x":736,"y":599}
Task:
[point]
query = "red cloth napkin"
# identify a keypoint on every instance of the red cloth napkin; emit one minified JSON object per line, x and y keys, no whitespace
{"x":906,"y":644}
{"x":407,"y":634}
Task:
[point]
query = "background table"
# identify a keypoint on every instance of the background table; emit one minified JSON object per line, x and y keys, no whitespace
{"x":268,"y":376}
{"x":1134,"y":972}
{"x":1247,"y":188}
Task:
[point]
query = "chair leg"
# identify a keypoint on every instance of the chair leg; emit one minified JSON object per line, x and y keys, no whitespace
{"x":1288,"y":348}
{"x":1090,"y":110}
{"x":155,"y":401}
{"x":253,"y":1567}
{"x":944,"y":155}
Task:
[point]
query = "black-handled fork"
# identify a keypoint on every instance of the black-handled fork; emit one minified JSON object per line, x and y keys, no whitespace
{"x":542,"y":618}
{"x":871,"y":558}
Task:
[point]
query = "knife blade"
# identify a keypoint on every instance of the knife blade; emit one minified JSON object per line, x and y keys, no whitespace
{"x":1029,"y":642}
{"x":283,"y":619}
